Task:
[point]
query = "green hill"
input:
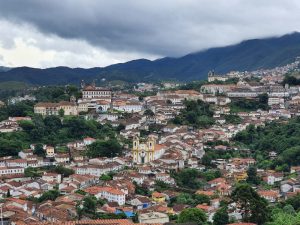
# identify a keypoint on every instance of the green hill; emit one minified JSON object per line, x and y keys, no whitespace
{"x":247,"y":55}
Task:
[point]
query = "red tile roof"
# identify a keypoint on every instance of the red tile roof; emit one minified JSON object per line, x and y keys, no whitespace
{"x":91,"y":222}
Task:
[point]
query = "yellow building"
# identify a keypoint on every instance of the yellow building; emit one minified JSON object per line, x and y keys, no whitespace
{"x":50,"y":151}
{"x":158,"y":197}
{"x":240,"y":176}
{"x":147,"y":151}
{"x":50,"y":108}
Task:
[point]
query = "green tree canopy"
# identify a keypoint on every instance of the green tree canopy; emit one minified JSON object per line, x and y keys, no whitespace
{"x":32,"y":172}
{"x":192,"y":215}
{"x":252,"y":176}
{"x":282,"y":218}
{"x":105,"y":177}
{"x":148,"y":112}
{"x":87,"y":206}
{"x":221,"y":217}
{"x":254,"y":208}
{"x":61,"y":113}
{"x":196,"y":113}
{"x":49,"y":195}
{"x":188,"y":178}
{"x":110,"y":148}
{"x":65,"y":172}
{"x":294,"y":202}
{"x":39,"y":150}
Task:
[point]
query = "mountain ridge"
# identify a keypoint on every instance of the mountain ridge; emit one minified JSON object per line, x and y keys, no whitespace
{"x":248,"y":55}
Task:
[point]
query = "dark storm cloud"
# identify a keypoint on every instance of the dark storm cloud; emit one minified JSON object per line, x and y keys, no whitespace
{"x":159,"y":27}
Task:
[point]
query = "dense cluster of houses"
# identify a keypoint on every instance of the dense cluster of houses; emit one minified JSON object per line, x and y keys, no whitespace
{"x":150,"y":159}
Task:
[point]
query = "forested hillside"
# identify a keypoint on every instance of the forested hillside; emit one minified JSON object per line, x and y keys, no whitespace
{"x":281,"y":137}
{"x":247,"y":55}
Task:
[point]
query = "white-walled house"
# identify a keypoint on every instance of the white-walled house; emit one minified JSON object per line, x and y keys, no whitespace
{"x":109,"y":193}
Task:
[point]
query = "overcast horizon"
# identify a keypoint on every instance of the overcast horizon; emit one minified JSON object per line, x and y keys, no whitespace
{"x":90,"y":33}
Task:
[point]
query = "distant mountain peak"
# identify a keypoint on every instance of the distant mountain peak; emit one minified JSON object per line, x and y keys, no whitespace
{"x":248,"y":55}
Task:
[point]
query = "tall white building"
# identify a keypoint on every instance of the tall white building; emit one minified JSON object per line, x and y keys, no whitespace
{"x":91,"y":92}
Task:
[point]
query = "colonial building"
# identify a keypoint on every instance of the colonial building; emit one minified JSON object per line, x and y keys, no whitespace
{"x":147,"y":151}
{"x":49,"y":108}
{"x":111,"y":194}
{"x":217,"y":88}
{"x":11,"y":171}
{"x":91,"y":92}
{"x":214,"y":77}
{"x":127,"y":106}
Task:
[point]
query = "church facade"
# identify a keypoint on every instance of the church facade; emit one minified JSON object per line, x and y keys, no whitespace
{"x":147,"y":151}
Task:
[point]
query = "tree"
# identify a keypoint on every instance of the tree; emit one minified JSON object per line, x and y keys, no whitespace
{"x":135,"y":218}
{"x":188,"y":178}
{"x":282,"y":218}
{"x":192,"y":215}
{"x":39,"y":150}
{"x":233,"y":119}
{"x":291,"y":156}
{"x":207,"y":158}
{"x":221,"y":217}
{"x":200,"y":199}
{"x":289,"y":209}
{"x":63,"y":170}
{"x":51,"y":94}
{"x":105,"y":177}
{"x":89,"y":204}
{"x":79,"y":128}
{"x":161,"y":186}
{"x":26,"y":125}
{"x":140,"y":190}
{"x":10,"y":144}
{"x":148,"y":112}
{"x":185,"y":198}
{"x":81,"y":192}
{"x":52,"y":123}
{"x":72,"y":90}
{"x":211,"y":174}
{"x":253,"y":207}
{"x":31,"y":172}
{"x":289,"y":79}
{"x":106,"y":216}
{"x":101,"y":201}
{"x":51,"y":130}
{"x":294,"y":202}
{"x":283,"y":138}
{"x":196,"y":113}
{"x":49,"y":195}
{"x":24,"y":108}
{"x":61,"y":113}
{"x":263,"y":98}
{"x":121,"y":127}
{"x":252,"y":176}
{"x":110,"y":148}
{"x":191,"y":199}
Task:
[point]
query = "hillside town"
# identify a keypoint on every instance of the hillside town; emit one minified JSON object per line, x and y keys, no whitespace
{"x":146,"y":154}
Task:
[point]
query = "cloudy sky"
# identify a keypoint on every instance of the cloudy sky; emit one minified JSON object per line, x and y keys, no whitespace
{"x":88,"y":33}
